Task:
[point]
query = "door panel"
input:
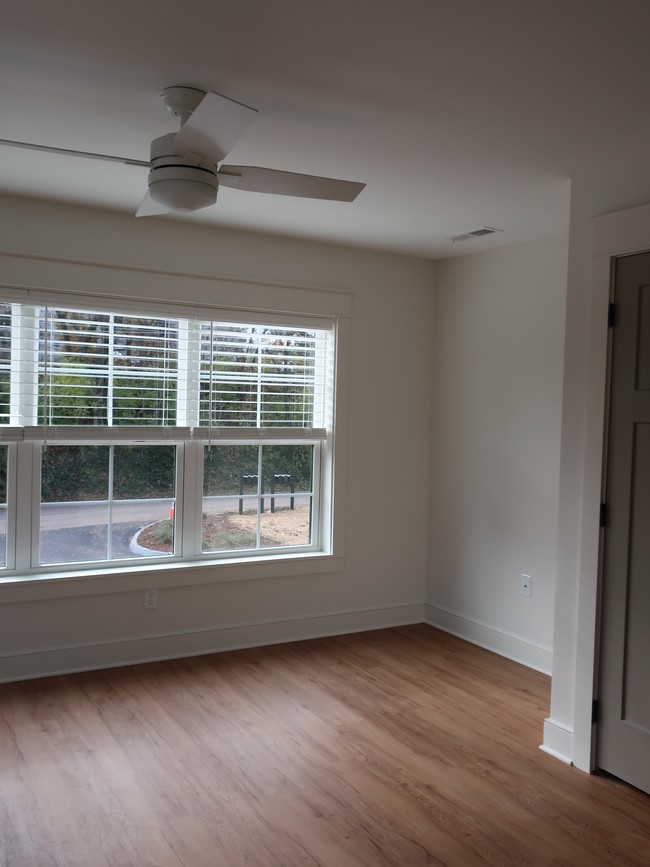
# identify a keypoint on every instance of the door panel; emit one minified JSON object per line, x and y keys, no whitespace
{"x":624,"y":727}
{"x":643,"y":341}
{"x":636,"y":695}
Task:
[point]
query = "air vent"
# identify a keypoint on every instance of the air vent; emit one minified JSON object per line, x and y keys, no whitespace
{"x":474,"y":233}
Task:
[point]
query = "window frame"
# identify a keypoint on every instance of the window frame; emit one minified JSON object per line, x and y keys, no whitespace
{"x":295,"y":559}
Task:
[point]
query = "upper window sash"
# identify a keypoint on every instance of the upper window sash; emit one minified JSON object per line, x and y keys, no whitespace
{"x":97,"y":369}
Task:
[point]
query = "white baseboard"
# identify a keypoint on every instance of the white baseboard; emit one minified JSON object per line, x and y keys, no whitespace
{"x":88,"y":657}
{"x":503,"y":643}
{"x":558,"y":741}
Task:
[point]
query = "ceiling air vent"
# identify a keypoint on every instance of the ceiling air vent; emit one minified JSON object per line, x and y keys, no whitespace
{"x":474,"y":233}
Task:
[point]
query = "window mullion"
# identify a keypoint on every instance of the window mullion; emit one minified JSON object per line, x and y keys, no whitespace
{"x":316,"y":475}
{"x":28,"y":496}
{"x":191,"y":499}
{"x":12,"y":486}
{"x":260,"y":496}
{"x":109,"y":515}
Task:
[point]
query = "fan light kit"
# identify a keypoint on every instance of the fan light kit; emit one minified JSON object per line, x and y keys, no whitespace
{"x":184,"y":169}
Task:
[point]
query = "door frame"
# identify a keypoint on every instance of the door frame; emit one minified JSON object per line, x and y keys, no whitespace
{"x":615,"y":234}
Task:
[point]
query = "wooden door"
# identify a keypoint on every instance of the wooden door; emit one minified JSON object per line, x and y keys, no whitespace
{"x":623,"y":734}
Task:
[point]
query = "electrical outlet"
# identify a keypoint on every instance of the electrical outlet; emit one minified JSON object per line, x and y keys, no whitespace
{"x":526,"y":585}
{"x":150,"y":598}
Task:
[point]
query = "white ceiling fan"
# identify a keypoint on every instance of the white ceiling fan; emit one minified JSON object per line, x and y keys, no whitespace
{"x":185,"y":171}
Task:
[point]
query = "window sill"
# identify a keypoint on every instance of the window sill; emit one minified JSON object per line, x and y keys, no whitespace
{"x":57,"y":585}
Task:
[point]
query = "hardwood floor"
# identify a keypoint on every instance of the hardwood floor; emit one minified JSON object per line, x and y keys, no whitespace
{"x":398,"y":747}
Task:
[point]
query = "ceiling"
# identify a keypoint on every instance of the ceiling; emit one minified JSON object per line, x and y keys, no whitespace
{"x":455,"y":113}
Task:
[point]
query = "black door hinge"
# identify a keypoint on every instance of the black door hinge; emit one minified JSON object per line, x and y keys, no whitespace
{"x":594,"y":711}
{"x":611,"y":315}
{"x":602,"y":520}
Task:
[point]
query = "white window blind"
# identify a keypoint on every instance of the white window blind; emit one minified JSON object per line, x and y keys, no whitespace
{"x":259,"y":376}
{"x":73,"y":367}
{"x":106,"y":368}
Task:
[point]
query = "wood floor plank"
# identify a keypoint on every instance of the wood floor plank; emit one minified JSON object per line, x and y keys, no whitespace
{"x":397,"y":747}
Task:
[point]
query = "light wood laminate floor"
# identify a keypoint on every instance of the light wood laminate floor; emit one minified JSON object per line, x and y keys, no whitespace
{"x":398,"y":747}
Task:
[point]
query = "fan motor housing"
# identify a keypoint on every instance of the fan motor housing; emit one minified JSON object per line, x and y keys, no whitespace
{"x":177,"y":182}
{"x":183,"y":187}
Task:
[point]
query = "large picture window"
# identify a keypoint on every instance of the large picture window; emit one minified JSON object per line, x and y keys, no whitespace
{"x":129,"y":436}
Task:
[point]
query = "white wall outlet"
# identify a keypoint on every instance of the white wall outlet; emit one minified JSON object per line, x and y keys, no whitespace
{"x":150,"y":598}
{"x":526,"y":585}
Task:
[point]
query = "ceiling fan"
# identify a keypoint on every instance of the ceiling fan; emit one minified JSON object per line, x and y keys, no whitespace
{"x":185,"y":171}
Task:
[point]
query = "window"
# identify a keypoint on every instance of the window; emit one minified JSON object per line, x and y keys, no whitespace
{"x":129,"y":435}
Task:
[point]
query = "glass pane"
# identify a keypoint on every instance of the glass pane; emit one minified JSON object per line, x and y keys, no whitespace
{"x":229,"y":530}
{"x":70,"y":474}
{"x":106,"y":502}
{"x":142,"y":512}
{"x":226,"y":468}
{"x":104,"y":368}
{"x":74,"y":508}
{"x":254,"y":375}
{"x":287,"y":388}
{"x":3,"y":506}
{"x":287,"y":469}
{"x":73,"y":361}
{"x":230,"y":502}
{"x":145,"y":361}
{"x":287,"y":473}
{"x":229,"y":365}
{"x":144,"y":472}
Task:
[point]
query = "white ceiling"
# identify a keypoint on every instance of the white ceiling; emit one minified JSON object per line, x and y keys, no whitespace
{"x":456,"y":113}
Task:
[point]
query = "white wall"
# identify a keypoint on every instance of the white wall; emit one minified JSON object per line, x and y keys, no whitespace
{"x":497,"y":398}
{"x":383,"y":578}
{"x":612,"y":188}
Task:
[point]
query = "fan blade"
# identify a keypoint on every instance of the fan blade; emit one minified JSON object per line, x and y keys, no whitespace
{"x":149,"y":208}
{"x":213,"y":128}
{"x":70,"y":153}
{"x":257,"y":180}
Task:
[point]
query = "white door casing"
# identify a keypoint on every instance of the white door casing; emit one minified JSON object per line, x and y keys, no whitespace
{"x":616,"y":234}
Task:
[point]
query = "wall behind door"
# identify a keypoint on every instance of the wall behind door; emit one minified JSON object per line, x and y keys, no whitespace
{"x":498,"y":357}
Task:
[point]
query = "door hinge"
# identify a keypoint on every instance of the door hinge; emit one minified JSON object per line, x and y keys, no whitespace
{"x":594,"y":711}
{"x":602,"y":519}
{"x":611,"y":315}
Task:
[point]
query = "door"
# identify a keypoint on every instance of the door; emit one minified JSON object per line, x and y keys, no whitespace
{"x":623,"y":735}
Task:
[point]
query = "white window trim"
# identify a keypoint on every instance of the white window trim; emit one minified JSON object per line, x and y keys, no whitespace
{"x":51,"y":281}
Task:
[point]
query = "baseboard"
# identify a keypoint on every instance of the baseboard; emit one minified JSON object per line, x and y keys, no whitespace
{"x":558,"y":741}
{"x":151,"y":648}
{"x":503,"y":643}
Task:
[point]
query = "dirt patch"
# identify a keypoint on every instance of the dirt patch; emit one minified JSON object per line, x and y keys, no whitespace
{"x":230,"y":531}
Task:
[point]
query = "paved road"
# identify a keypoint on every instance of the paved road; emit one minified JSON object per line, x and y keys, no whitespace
{"x":57,"y":516}
{"x":83,"y":544}
{"x":77,"y":532}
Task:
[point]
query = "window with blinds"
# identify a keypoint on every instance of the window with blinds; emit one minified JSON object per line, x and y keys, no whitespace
{"x":257,"y":376}
{"x":80,"y":367}
{"x":106,"y":368}
{"x":140,"y":434}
